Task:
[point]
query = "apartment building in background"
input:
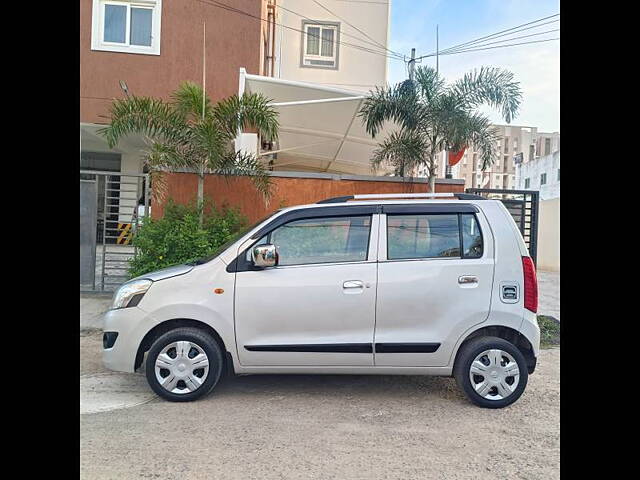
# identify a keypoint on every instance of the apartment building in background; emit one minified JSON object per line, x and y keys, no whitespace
{"x":547,"y":143}
{"x":516,"y":144}
{"x":513,"y":141}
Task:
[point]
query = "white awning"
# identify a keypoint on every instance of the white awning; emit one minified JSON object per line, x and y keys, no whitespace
{"x":319,"y":127}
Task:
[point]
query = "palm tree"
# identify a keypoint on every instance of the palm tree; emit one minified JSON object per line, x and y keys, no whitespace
{"x":189,"y":131}
{"x":433,"y":117}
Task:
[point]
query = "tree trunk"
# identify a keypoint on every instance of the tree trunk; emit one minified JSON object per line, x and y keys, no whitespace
{"x":432,"y":183}
{"x":200,"y":198}
{"x":433,"y":170}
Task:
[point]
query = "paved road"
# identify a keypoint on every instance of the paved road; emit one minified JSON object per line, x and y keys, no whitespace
{"x":327,"y":427}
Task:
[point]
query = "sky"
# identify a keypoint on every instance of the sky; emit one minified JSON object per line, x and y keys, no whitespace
{"x":535,"y":66}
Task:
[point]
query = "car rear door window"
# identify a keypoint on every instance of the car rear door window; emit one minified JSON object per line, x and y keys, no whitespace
{"x":422,"y":236}
{"x":433,"y":236}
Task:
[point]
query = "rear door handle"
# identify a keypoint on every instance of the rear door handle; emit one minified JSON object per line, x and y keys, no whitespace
{"x":353,"y":284}
{"x":467,"y":279}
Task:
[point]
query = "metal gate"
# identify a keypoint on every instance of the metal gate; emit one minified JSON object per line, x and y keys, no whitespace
{"x":523,"y":205}
{"x":112,"y":207}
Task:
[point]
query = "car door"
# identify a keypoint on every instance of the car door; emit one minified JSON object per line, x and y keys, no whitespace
{"x":317,"y":306}
{"x":435,"y":281}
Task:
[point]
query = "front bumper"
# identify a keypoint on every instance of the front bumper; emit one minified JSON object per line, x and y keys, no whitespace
{"x":130,"y":324}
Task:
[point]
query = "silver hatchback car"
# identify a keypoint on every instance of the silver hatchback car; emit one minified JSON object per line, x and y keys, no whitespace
{"x":402,"y":284}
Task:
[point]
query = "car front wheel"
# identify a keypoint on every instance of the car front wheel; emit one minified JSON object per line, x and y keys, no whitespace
{"x":184,"y":364}
{"x":491,"y":371}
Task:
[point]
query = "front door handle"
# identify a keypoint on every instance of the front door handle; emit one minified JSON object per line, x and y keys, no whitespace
{"x":353,"y":284}
{"x":467,"y":279}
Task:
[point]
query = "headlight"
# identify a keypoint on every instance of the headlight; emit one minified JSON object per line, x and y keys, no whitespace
{"x":130,"y":291}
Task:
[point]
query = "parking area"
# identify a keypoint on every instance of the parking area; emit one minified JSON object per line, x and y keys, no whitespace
{"x":327,"y":426}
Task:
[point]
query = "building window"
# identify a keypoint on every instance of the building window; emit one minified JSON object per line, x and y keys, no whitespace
{"x":527,"y":182}
{"x":506,"y":144}
{"x":532,"y":152}
{"x":543,"y":179}
{"x":558,"y":174}
{"x":320,"y":44}
{"x":126,"y":26}
{"x":547,"y":146}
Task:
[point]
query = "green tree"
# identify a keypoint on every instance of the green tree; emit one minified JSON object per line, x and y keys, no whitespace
{"x":190,"y":131}
{"x":434,"y":116}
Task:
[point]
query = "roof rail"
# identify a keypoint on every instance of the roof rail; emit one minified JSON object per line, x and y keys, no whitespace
{"x":469,"y":196}
{"x":337,"y":199}
{"x":383,"y":196}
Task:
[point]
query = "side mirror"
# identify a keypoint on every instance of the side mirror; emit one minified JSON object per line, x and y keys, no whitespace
{"x":264,"y":255}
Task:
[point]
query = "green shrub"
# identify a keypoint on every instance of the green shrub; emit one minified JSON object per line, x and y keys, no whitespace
{"x":549,"y":331}
{"x":178,"y":238}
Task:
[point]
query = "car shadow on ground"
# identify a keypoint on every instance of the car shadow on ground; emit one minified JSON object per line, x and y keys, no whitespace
{"x":389,"y":386}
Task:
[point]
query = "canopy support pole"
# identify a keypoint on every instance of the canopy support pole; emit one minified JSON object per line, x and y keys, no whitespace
{"x":319,"y":100}
{"x":346,"y":134}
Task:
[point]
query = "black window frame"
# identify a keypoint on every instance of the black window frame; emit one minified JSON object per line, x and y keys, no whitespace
{"x":240,"y":263}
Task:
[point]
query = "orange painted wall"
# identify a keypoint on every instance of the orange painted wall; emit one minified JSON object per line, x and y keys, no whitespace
{"x":240,"y":192}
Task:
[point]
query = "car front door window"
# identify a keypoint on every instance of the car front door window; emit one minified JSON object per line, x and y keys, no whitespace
{"x":321,"y":240}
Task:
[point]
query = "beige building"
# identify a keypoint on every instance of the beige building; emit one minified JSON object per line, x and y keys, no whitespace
{"x":336,"y":44}
{"x":516,"y":143}
{"x":547,"y":143}
{"x":513,"y":140}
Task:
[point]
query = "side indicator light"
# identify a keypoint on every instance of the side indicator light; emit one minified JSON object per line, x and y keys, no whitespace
{"x":219,"y":291}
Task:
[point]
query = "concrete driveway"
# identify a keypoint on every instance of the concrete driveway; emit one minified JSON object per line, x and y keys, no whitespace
{"x":326,"y":427}
{"x":549,"y":293}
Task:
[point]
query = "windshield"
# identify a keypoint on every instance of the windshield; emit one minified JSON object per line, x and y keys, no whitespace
{"x":230,"y":242}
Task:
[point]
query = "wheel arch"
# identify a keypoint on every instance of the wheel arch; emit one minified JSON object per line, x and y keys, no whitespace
{"x":160,"y":329}
{"x":506,"y":333}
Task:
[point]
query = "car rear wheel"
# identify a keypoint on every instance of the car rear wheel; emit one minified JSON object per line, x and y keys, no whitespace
{"x":184,"y":364}
{"x":491,"y":371}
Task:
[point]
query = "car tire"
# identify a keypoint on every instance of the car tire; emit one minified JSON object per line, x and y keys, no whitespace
{"x":491,"y":382}
{"x":184,"y":364}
